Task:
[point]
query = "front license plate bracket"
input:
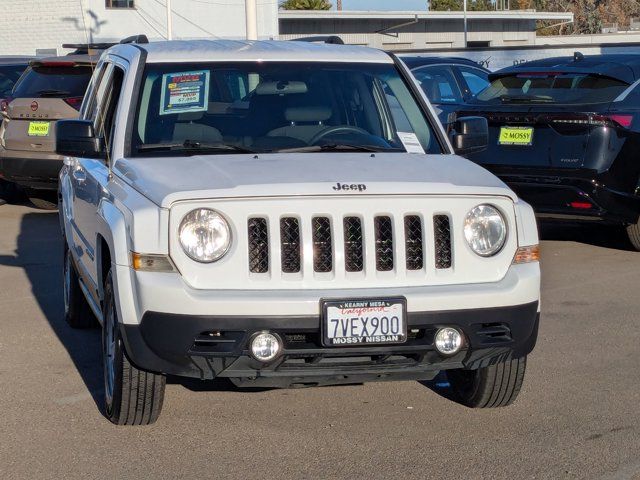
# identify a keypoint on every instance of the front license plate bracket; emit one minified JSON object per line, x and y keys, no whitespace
{"x":362,"y":322}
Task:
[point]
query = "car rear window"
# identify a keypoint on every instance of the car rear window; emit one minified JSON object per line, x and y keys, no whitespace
{"x":9,"y":75}
{"x":552,"y":87}
{"x":53,"y":82}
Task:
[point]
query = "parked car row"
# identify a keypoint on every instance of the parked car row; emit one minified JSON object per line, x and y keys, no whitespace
{"x":563,"y":131}
{"x":286,"y":214}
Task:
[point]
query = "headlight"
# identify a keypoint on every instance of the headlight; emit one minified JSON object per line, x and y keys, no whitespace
{"x":205,"y":235}
{"x":485,"y":230}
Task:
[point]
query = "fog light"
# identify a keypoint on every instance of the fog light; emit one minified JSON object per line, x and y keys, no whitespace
{"x":448,"y":341}
{"x":265,"y":346}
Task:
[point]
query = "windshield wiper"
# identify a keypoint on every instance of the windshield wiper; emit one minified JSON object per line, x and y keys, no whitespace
{"x":53,"y":93}
{"x":193,"y":146}
{"x":334,"y":147}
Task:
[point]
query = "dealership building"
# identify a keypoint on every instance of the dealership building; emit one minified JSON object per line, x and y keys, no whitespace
{"x":420,"y":30}
{"x":28,"y":26}
{"x":42,"y":26}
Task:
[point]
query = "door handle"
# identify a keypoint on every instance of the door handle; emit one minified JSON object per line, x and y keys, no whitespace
{"x":79,"y":175}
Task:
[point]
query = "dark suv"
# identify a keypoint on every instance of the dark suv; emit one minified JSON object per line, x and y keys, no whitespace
{"x":564,"y":133}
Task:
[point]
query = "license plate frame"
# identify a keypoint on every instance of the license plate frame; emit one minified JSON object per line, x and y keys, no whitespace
{"x":367,"y":303}
{"x":521,"y":136}
{"x":33,"y":131}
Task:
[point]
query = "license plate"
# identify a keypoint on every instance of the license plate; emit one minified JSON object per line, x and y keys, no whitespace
{"x":38,"y":129}
{"x":516,"y":136}
{"x":363,"y":322}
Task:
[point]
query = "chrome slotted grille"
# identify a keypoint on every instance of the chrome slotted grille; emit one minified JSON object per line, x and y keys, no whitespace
{"x":397,"y":243}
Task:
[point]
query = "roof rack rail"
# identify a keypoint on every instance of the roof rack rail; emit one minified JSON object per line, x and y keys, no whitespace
{"x":331,"y":39}
{"x":85,"y":47}
{"x":135,"y":39}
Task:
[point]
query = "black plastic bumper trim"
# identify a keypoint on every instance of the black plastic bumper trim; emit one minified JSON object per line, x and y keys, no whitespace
{"x":164,"y":343}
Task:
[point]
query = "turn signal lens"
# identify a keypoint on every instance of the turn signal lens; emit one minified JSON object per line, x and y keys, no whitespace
{"x":527,"y":254}
{"x":151,"y":263}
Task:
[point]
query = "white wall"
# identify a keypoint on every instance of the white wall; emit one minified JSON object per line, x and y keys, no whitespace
{"x":26,"y":25}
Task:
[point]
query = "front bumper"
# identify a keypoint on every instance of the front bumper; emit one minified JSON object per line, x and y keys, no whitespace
{"x":207,"y":347}
{"x":551,"y":195}
{"x":37,"y":170}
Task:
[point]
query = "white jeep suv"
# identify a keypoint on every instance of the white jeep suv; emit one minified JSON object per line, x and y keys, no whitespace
{"x":287,"y":214}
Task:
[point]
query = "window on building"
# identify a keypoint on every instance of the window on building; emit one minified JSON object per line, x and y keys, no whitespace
{"x":120,"y":3}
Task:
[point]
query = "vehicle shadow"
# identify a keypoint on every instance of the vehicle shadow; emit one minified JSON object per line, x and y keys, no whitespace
{"x":605,"y":236}
{"x":217,"y":385}
{"x":39,"y":254}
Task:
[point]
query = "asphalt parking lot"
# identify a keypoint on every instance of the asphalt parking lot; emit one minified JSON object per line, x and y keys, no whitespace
{"x":577,"y":417}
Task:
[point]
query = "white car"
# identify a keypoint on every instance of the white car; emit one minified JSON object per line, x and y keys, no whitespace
{"x":287,"y":214}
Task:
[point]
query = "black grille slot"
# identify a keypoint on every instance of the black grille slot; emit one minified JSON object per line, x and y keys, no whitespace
{"x":353,"y":258}
{"x":442,"y":237}
{"x":384,"y":243}
{"x":413,"y":242}
{"x":258,"y":245}
{"x":290,"y":244}
{"x":491,"y":333}
{"x":322,"y":245}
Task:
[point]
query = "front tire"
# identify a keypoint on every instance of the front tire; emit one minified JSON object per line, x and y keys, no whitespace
{"x":633,"y":231}
{"x":488,"y":387}
{"x":132,"y":396}
{"x":77,"y":312}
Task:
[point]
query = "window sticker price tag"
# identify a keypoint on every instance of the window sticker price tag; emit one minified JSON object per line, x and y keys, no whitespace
{"x":185,"y":92}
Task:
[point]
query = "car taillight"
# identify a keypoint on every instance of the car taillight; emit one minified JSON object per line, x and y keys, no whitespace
{"x":608,"y":120}
{"x":622,"y":120}
{"x":74,"y":102}
{"x":4,"y":104}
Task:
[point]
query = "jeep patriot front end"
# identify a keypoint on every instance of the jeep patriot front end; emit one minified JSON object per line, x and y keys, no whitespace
{"x":288,"y":214}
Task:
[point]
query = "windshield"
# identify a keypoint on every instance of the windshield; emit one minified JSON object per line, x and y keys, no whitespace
{"x":552,"y":87}
{"x":53,"y":82}
{"x":278,"y":106}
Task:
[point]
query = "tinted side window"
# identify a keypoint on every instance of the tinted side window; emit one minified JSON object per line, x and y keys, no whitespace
{"x":439,"y":84}
{"x":476,"y":80}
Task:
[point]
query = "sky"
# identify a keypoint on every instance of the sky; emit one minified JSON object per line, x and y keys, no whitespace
{"x":384,"y":4}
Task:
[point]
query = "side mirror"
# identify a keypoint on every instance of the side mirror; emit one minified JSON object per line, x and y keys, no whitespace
{"x":77,"y":138}
{"x":470,"y":135}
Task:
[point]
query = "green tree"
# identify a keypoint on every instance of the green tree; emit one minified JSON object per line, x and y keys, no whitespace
{"x":454,"y":5}
{"x":306,"y":5}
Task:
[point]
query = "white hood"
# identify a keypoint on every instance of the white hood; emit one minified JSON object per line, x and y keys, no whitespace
{"x":165,"y":180}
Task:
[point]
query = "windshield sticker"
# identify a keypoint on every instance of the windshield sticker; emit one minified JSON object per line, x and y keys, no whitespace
{"x":411,"y":142}
{"x":185,"y":92}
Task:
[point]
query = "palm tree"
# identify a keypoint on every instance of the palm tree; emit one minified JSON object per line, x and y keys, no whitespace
{"x":306,"y":5}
